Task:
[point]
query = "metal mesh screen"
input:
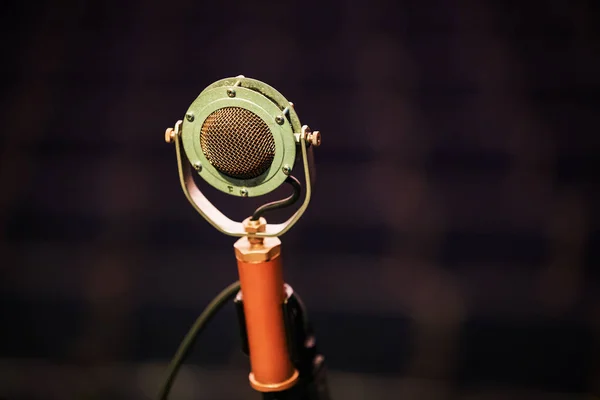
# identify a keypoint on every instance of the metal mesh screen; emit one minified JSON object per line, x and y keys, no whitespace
{"x":237,"y":142}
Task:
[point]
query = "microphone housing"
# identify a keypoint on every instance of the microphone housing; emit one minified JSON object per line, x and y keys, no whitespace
{"x":242,"y":137}
{"x":239,"y":136}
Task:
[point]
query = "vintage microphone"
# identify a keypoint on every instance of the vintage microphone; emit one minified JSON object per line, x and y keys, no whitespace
{"x":243,"y":138}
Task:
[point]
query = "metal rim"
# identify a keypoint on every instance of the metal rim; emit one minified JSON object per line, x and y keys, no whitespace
{"x":212,"y":99}
{"x":270,"y":92}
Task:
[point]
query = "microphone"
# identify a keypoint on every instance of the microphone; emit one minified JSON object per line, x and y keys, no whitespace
{"x":242,"y":137}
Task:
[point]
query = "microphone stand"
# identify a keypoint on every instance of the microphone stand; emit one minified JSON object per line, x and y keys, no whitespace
{"x":273,"y":323}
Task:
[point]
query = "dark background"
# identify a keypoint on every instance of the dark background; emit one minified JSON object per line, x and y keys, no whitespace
{"x":451,"y":247}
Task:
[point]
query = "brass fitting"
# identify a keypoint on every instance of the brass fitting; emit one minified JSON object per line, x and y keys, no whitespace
{"x":172,"y":133}
{"x":252,"y":249}
{"x":169,"y":135}
{"x":256,"y":226}
{"x":314,"y":138}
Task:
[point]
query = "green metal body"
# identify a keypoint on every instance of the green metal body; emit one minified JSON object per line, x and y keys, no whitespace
{"x":262,"y":100}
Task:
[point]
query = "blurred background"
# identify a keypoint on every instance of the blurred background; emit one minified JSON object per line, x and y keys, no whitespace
{"x":450,"y":250}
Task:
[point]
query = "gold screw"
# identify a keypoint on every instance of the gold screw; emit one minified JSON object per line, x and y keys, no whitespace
{"x":314,"y":138}
{"x":169,"y":135}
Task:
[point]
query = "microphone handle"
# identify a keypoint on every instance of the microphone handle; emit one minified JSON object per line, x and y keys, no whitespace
{"x":274,"y":327}
{"x":313,"y":387}
{"x":302,"y":351}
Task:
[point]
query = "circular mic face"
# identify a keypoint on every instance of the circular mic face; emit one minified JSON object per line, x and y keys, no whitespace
{"x":237,"y":143}
{"x":241,"y":136}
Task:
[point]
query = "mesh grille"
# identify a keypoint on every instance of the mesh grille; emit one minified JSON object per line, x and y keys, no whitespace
{"x":237,"y":142}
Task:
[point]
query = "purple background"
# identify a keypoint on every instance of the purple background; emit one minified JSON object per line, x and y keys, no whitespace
{"x":450,"y":250}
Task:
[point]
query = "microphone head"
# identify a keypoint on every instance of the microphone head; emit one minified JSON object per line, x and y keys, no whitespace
{"x":241,"y":136}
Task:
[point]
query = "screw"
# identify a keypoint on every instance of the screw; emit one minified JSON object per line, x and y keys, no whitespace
{"x":169,"y":135}
{"x":314,"y":138}
{"x":230,"y":92}
{"x":189,"y":116}
{"x":197,"y":166}
{"x":286,"y":169}
{"x":244,"y":192}
{"x":279,"y":119}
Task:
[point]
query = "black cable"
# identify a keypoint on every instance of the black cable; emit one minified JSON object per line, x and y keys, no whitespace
{"x":288,"y":201}
{"x":210,"y":311}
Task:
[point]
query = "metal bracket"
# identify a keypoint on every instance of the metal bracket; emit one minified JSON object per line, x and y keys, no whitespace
{"x":215,"y":217}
